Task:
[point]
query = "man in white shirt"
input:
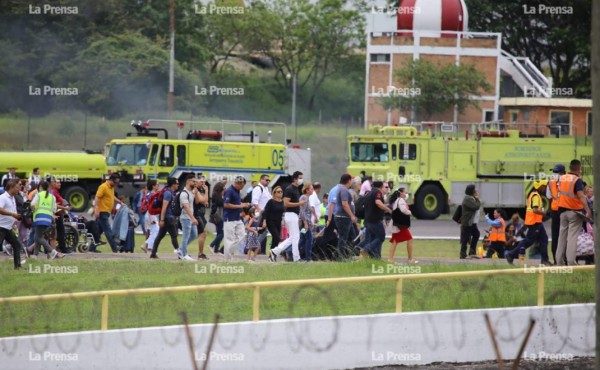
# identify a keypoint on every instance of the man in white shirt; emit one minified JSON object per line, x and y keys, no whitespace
{"x":11,"y":175}
{"x":8,"y":217}
{"x":260,"y":197}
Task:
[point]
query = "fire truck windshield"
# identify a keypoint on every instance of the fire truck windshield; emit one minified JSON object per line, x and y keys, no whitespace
{"x":369,"y":152}
{"x":127,"y":155}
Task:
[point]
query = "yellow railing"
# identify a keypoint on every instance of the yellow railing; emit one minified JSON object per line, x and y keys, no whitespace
{"x":105,"y":294}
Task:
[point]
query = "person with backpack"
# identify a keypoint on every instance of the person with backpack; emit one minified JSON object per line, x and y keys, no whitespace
{"x":260,"y":196}
{"x":200,"y":204}
{"x":216,"y":216}
{"x":150,"y":217}
{"x":188,"y":221}
{"x":374,"y":211}
{"x":167,"y":221}
{"x":401,"y":225}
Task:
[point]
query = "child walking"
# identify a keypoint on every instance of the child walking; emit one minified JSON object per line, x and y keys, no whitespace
{"x":252,"y":238}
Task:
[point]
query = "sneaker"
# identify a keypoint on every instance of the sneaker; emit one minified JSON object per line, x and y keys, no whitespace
{"x":509,"y":259}
{"x":178,"y":253}
{"x":202,"y":256}
{"x":52,"y":255}
{"x":547,"y":263}
{"x":23,"y":261}
{"x":153,"y":256}
{"x":413,"y":261}
{"x":272,"y":257}
{"x":187,"y":258}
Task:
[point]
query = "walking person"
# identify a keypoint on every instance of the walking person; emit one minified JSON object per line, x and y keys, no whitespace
{"x":43,"y":206}
{"x":104,"y":204}
{"x":401,"y":232}
{"x":8,"y":217}
{"x":200,"y":204}
{"x":536,"y":232}
{"x":292,"y":203}
{"x":151,"y":220}
{"x":469,"y":232}
{"x":260,"y":196}
{"x":136,"y":206}
{"x":253,"y":229}
{"x":188,"y":221}
{"x":571,"y":205}
{"x":344,"y":217}
{"x":216,"y":216}
{"x":272,"y":216}
{"x":497,"y":236}
{"x":167,"y":221}
{"x":374,"y":211}
{"x":34,"y":180}
{"x":62,"y":207}
{"x":233,"y":227}
{"x":552,"y":195}
{"x":306,"y":217}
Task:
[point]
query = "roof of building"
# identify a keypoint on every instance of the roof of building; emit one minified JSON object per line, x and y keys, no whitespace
{"x":546,"y":102}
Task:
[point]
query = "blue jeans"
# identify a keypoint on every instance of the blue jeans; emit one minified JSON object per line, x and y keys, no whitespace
{"x":104,"y":224}
{"x":216,"y":243}
{"x":374,"y":238}
{"x":190,"y":233}
{"x":306,"y":244}
{"x":343,"y":225}
{"x":142,"y":221}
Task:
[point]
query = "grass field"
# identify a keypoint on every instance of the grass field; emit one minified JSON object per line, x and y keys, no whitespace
{"x":236,"y":305}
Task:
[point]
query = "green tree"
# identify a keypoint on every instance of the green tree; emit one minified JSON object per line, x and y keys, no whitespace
{"x":304,"y":38}
{"x":428,"y":89}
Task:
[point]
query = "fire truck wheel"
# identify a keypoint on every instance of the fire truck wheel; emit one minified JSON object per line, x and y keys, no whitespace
{"x":77,"y":197}
{"x":429,"y":202}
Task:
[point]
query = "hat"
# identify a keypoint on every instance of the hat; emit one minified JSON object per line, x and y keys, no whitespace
{"x":538,"y":184}
{"x":558,"y":168}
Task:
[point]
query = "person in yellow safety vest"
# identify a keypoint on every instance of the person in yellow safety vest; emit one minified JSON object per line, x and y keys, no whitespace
{"x":497,"y":236}
{"x":571,"y":204}
{"x":536,"y":233}
{"x":552,"y":195}
{"x":44,"y":207}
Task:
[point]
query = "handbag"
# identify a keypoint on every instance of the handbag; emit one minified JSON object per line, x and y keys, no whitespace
{"x":398,"y":218}
{"x":585,"y":242}
{"x":217,"y":216}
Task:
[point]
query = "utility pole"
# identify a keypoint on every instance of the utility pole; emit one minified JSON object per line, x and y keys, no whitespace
{"x":172,"y":61}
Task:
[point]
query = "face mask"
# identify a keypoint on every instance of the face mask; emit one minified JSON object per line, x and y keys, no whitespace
{"x":407,"y":196}
{"x":300,"y":181}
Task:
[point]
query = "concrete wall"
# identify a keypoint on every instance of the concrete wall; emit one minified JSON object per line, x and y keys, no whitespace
{"x":317,"y":343}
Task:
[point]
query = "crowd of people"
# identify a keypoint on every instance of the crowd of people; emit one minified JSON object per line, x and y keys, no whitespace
{"x":571,"y":207}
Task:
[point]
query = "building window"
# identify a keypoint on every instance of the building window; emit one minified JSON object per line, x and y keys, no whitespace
{"x":513,"y":116}
{"x":560,"y":121}
{"x":380,"y":58}
{"x":589,"y":123}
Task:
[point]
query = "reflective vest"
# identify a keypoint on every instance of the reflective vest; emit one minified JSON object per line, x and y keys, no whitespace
{"x":44,"y":214}
{"x":532,"y":218}
{"x":553,"y":185}
{"x":498,"y":234}
{"x":566,"y":192}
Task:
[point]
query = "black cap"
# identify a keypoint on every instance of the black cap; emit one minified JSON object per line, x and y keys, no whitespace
{"x":559,"y":168}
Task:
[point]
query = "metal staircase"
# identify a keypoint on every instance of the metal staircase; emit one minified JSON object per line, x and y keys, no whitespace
{"x":526,"y":75}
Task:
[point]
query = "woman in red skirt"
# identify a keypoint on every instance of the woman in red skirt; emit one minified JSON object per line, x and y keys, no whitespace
{"x":401,"y":233}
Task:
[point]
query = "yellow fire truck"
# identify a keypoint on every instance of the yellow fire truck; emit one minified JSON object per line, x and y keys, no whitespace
{"x":231,"y":150}
{"x":80,"y":172}
{"x":436,"y":162}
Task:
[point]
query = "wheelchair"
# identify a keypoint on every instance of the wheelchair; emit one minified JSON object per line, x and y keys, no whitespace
{"x":77,"y":236}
